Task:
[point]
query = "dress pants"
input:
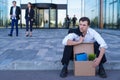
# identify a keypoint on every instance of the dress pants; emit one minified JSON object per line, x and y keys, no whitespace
{"x":14,"y":22}
{"x":68,"y":54}
{"x":28,"y":20}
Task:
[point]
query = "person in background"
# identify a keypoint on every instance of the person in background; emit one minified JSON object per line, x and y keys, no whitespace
{"x":29,"y":17}
{"x":67,"y":21}
{"x":74,"y":19}
{"x":15,"y":13}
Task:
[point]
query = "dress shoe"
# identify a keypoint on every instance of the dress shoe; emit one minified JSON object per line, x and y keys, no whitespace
{"x":10,"y":35}
{"x":27,"y":35}
{"x":64,"y":72}
{"x":102,"y":73}
{"x":30,"y":35}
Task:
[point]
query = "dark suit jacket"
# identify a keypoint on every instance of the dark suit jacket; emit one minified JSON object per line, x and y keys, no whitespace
{"x":76,"y":31}
{"x":18,"y":11}
{"x":70,"y":48}
{"x":31,"y":13}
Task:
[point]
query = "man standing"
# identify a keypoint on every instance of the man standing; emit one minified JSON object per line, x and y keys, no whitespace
{"x":84,"y":34}
{"x":15,"y":12}
{"x":67,"y":21}
{"x":74,"y":19}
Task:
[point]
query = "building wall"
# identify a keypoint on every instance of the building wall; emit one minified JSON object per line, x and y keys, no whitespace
{"x":111,"y":13}
{"x":92,"y":12}
{"x":3,"y":13}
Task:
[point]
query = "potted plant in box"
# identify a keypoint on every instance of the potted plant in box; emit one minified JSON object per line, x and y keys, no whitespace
{"x":91,"y":56}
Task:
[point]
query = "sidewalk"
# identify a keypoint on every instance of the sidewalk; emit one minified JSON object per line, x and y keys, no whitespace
{"x":110,"y":32}
{"x":45,"y":48}
{"x":52,"y":75}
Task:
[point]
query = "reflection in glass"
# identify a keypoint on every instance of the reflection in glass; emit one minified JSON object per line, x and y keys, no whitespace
{"x":3,"y":13}
{"x":46,"y":18}
{"x":40,"y":16}
{"x":91,"y":11}
{"x":52,"y":18}
{"x":61,"y":18}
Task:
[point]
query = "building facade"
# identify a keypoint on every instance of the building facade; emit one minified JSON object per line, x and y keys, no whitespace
{"x":103,"y":13}
{"x":49,"y":18}
{"x":3,"y":13}
{"x":46,"y":14}
{"x":111,"y":14}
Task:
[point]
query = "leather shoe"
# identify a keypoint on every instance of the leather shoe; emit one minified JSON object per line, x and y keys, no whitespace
{"x":102,"y":73}
{"x":64,"y":72}
{"x":10,"y":35}
{"x":27,"y":35}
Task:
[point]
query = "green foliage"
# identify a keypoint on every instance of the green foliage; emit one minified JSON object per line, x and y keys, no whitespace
{"x":91,"y":56}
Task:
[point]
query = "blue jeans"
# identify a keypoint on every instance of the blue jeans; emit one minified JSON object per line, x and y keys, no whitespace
{"x":27,"y":24}
{"x":14,"y":22}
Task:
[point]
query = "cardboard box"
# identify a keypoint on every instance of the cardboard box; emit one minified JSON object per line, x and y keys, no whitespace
{"x":84,"y":68}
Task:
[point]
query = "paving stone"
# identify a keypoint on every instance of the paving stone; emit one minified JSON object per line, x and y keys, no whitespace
{"x":44,"y":50}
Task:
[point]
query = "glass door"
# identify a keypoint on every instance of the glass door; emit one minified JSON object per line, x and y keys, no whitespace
{"x":41,"y":18}
{"x":46,"y":18}
{"x":53,"y":18}
{"x":110,"y":15}
{"x":61,"y":18}
{"x":115,"y":15}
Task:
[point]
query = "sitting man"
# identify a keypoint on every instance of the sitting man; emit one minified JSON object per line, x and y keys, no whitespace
{"x":84,"y":34}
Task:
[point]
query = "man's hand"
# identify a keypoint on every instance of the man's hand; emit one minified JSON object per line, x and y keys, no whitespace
{"x":99,"y":58}
{"x":71,"y":42}
{"x":96,"y":62}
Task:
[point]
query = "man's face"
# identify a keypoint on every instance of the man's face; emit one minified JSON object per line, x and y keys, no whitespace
{"x":29,"y":5}
{"x":83,"y":25}
{"x":14,"y":3}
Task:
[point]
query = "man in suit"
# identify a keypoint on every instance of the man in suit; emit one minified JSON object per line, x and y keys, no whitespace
{"x":67,"y":21}
{"x":15,"y":13}
{"x":84,"y":34}
{"x":74,"y":19}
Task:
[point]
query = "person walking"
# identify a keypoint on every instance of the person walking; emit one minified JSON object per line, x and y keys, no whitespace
{"x":29,"y":17}
{"x":67,"y":21}
{"x":15,"y":13}
{"x":74,"y":19}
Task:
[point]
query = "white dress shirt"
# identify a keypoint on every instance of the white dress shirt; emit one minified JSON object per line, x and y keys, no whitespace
{"x":91,"y":37}
{"x":14,"y":13}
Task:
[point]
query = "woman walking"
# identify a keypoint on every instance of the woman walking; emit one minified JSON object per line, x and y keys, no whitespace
{"x":29,"y":16}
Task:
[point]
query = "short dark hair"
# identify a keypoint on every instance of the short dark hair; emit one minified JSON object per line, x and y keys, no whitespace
{"x":14,"y":2}
{"x":85,"y":19}
{"x":30,"y":3}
